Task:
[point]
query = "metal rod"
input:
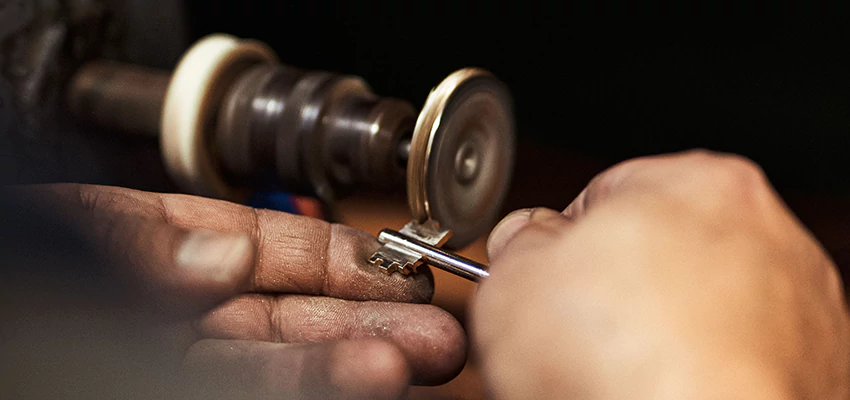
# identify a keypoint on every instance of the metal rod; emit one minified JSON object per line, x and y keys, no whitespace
{"x":122,"y":97}
{"x":436,"y":257}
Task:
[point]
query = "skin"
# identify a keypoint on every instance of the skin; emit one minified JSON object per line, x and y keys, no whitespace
{"x":234,"y":302}
{"x":679,"y":276}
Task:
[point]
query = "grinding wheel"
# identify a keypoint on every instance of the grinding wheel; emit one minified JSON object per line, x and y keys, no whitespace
{"x":462,"y":155}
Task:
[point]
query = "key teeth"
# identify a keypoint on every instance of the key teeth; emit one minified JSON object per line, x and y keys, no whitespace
{"x":376,"y":259}
{"x":382,"y":263}
{"x":388,"y":265}
{"x":407,"y":269}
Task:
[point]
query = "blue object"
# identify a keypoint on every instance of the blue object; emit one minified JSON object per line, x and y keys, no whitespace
{"x":273,"y":200}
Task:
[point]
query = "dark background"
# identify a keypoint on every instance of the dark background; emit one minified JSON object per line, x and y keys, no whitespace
{"x":593,"y":84}
{"x":606,"y":82}
{"x":598,"y":83}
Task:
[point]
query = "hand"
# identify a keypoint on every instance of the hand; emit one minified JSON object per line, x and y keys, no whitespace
{"x":225,"y":300}
{"x":680,"y":277}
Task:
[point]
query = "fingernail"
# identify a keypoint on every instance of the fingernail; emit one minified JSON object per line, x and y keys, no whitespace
{"x":505,"y":231}
{"x":220,"y":256}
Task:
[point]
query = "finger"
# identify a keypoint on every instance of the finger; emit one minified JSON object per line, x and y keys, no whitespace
{"x":519,"y":220}
{"x":705,"y":180}
{"x":174,"y":268}
{"x":606,"y":184}
{"x":686,"y":176}
{"x":148,"y":260}
{"x":433,"y":341}
{"x":363,"y":369}
{"x":294,"y":254}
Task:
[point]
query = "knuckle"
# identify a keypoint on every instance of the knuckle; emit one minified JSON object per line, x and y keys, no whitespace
{"x":733,"y":168}
{"x":725,"y":180}
{"x":89,"y":197}
{"x":701,"y":153}
{"x":741,"y":170}
{"x":831,"y":277}
{"x":739,"y":179}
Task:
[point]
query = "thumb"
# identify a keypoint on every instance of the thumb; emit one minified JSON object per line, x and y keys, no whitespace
{"x":515,"y":222}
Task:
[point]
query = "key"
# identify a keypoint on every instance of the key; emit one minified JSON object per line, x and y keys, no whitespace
{"x":417,"y":244}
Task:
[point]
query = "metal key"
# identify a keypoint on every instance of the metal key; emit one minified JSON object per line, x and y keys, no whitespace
{"x":417,"y":244}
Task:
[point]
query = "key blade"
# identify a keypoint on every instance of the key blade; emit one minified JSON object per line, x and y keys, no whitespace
{"x":391,"y":258}
{"x":395,"y":256}
{"x":436,"y":257}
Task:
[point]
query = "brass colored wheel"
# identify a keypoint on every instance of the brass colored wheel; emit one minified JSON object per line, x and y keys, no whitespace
{"x":462,"y":155}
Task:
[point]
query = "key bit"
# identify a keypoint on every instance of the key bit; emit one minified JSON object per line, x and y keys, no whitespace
{"x":392,"y":257}
{"x":417,"y":244}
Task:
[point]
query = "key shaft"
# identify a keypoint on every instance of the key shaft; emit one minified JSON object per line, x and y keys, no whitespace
{"x":437,"y":257}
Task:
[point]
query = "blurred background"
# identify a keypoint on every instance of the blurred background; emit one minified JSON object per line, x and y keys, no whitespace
{"x":768,"y":80}
{"x":593,"y":84}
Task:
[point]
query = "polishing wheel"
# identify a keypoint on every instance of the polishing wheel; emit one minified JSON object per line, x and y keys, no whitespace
{"x":462,"y":155}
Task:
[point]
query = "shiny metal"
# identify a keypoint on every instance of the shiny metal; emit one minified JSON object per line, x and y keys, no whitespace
{"x":394,"y":256}
{"x":462,"y":155}
{"x":317,"y":133}
{"x":459,"y":165}
{"x":277,"y":127}
{"x":326,"y":135}
{"x":434,"y":256}
{"x":248,"y":120}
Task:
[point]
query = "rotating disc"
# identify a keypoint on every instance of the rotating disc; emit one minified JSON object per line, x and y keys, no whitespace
{"x":462,"y":155}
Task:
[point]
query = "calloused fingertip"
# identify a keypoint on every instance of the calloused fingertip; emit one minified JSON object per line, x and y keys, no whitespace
{"x":505,"y":230}
{"x":369,"y":369}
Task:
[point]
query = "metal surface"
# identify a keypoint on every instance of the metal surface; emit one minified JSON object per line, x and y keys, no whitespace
{"x":434,"y":256}
{"x":276,"y":127}
{"x":249,"y":124}
{"x":395,"y":256}
{"x":318,"y":133}
{"x":462,"y":154}
{"x":120,"y":97}
{"x":459,"y":164}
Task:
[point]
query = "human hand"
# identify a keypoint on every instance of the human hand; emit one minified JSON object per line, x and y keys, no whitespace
{"x":226,"y":301}
{"x":680,"y":276}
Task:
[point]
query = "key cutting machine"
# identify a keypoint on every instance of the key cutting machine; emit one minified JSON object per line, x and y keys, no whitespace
{"x":235,"y":122}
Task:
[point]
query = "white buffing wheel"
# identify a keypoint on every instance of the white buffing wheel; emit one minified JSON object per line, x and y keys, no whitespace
{"x":190,"y":104}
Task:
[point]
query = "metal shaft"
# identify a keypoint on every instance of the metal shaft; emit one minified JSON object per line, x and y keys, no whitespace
{"x":276,"y":127}
{"x":436,"y":257}
{"x":124,"y":98}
